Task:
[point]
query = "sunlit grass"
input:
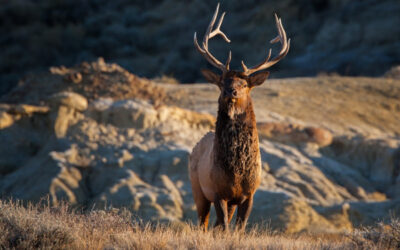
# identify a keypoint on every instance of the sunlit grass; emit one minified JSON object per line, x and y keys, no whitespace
{"x":42,"y":226}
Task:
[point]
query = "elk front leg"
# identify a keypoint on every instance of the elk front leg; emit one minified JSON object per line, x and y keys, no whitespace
{"x":243,"y":213}
{"x":231,"y":211}
{"x":221,"y":209}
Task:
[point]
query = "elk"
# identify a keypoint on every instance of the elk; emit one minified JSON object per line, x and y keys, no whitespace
{"x":225,"y":165}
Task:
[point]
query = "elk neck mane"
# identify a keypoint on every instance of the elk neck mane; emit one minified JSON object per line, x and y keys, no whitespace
{"x":236,"y":141}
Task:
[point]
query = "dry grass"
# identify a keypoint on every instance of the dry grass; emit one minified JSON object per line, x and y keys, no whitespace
{"x":41,"y":226}
{"x":386,"y":235}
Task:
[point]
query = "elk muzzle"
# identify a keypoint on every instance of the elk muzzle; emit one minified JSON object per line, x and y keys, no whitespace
{"x":231,"y":93}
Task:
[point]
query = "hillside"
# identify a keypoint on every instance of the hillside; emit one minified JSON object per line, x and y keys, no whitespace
{"x":98,"y":137}
{"x":153,"y":38}
{"x":345,"y":105}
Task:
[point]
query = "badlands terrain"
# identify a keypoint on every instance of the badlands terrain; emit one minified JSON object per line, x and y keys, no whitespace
{"x":101,"y":138}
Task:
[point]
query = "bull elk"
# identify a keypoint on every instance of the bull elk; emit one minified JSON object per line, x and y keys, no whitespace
{"x":225,"y":166}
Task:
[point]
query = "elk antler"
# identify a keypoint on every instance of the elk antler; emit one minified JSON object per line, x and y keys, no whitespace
{"x":210,"y":34}
{"x":284,"y":50}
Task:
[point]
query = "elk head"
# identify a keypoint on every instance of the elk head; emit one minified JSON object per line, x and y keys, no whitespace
{"x":235,"y":86}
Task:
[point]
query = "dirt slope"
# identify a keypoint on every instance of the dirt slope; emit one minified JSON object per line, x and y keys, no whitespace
{"x":344,"y":105}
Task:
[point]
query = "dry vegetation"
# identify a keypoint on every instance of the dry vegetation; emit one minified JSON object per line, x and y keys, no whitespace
{"x":41,"y":226}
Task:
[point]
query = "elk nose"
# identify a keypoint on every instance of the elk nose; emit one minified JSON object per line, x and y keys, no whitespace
{"x":230,"y":93}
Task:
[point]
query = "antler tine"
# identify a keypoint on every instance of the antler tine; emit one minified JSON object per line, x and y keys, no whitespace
{"x":210,"y":27}
{"x":210,"y":33}
{"x":218,"y":31}
{"x":245,"y":69}
{"x":228,"y":60}
{"x":284,"y":50}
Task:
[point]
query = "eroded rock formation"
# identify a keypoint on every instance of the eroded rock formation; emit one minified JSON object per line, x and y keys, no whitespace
{"x":133,"y":153}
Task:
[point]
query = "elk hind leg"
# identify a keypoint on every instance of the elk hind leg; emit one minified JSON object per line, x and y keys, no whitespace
{"x":203,"y":212}
{"x":202,"y":204}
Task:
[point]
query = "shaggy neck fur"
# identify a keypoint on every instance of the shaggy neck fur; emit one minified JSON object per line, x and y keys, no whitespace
{"x":236,"y":139}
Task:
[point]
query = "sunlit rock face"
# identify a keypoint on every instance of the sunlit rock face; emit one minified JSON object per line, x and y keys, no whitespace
{"x":130,"y":150}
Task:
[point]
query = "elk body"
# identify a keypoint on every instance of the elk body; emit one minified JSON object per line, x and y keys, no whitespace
{"x":225,"y":166}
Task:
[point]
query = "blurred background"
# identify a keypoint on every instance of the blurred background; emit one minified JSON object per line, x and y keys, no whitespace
{"x":155,"y":38}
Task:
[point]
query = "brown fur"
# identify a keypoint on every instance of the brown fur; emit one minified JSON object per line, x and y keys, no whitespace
{"x":225,"y":167}
{"x":236,"y":149}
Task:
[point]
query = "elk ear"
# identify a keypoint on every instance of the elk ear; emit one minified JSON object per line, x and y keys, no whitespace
{"x":258,"y":78}
{"x":211,"y":77}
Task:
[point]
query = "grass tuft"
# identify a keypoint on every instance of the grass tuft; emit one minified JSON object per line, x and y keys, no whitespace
{"x":41,"y":226}
{"x":384,"y":235}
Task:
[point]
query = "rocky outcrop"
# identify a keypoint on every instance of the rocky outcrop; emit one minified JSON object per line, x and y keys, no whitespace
{"x":97,"y":79}
{"x":376,"y":159}
{"x":290,"y":215}
{"x":394,"y":73}
{"x":110,"y":152}
{"x":11,"y":113}
{"x":67,"y":106}
{"x":294,"y":133}
{"x":6,"y":120}
{"x":133,"y":155}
